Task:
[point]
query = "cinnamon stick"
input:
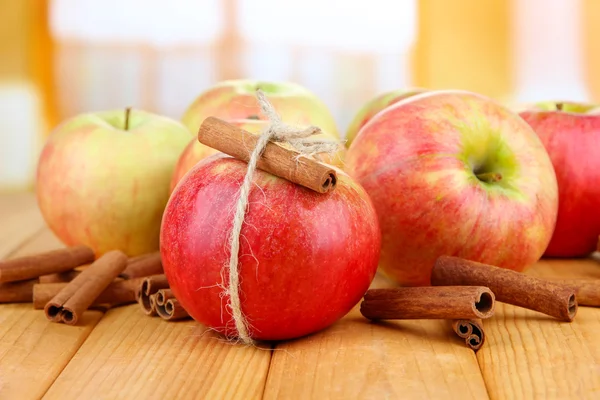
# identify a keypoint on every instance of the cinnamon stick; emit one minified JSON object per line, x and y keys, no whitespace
{"x":453,"y":302}
{"x":168,"y":307}
{"x":144,"y":265}
{"x":59,"y":277}
{"x":79,"y":294}
{"x":471,"y":330}
{"x":149,"y":286}
{"x":587,"y":291}
{"x":17,"y":292}
{"x":117,"y":293}
{"x":509,"y":286}
{"x":276,"y":159}
{"x":28,"y":267}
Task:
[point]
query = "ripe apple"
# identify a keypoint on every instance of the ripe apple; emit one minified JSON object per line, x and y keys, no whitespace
{"x":570,"y":132}
{"x":454,"y":173}
{"x":236,"y":100}
{"x":196,"y":151}
{"x":306,"y":258}
{"x":103,"y":178}
{"x":375,"y":105}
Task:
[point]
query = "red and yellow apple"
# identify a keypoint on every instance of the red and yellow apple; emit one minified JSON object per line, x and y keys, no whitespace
{"x":454,"y":173}
{"x":103,"y":179}
{"x":375,"y":105}
{"x":236,"y":100}
{"x":570,"y":132}
{"x":305,"y":259}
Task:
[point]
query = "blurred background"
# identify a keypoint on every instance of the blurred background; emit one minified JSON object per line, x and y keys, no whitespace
{"x":59,"y":58}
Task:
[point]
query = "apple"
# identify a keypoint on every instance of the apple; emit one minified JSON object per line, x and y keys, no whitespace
{"x":196,"y":151}
{"x":236,"y":100}
{"x":375,"y":105}
{"x":305,"y":259}
{"x":570,"y":132}
{"x":103,"y":178}
{"x":454,"y":173}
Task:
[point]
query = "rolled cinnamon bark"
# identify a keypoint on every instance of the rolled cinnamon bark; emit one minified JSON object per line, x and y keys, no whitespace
{"x":59,"y":277}
{"x":142,"y":266}
{"x":117,"y":293}
{"x":79,"y":294}
{"x":587,"y":291}
{"x":509,"y":286}
{"x":33,"y":266}
{"x":149,"y":286}
{"x":277,"y":160}
{"x":471,"y":330}
{"x":17,"y":292}
{"x":168,"y":307}
{"x":453,"y":302}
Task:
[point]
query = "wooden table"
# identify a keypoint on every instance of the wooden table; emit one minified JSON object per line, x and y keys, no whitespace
{"x":123,"y":354}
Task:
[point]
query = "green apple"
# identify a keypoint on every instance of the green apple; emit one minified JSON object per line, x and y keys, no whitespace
{"x":375,"y":105}
{"x":103,"y":178}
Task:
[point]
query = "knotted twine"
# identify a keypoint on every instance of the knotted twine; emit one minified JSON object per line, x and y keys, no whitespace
{"x":277,"y":131}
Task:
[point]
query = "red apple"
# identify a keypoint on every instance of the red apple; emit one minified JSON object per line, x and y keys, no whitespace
{"x":375,"y":105}
{"x":570,"y":133}
{"x":103,"y":179}
{"x":196,"y":151}
{"x":306,"y":258}
{"x":454,"y":173}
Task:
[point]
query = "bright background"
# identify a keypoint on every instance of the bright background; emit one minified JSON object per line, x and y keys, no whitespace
{"x":62,"y":57}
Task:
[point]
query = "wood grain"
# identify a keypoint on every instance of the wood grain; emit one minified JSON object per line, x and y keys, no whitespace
{"x":33,"y":351}
{"x":20,"y":220}
{"x":530,"y":355}
{"x":133,"y":356}
{"x":357,"y":359}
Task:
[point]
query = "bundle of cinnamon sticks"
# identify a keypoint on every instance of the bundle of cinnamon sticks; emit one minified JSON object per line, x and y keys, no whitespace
{"x":464,"y":292}
{"x":67,"y":282}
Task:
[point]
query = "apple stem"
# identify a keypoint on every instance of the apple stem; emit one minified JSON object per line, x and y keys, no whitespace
{"x":489,"y":177}
{"x":127,"y":113}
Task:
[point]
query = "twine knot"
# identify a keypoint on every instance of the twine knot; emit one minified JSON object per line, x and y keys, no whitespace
{"x":277,"y":131}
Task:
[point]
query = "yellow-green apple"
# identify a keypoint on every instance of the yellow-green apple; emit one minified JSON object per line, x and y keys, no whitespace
{"x":570,"y":133}
{"x":454,"y":173}
{"x":305,"y":258}
{"x":375,"y":105}
{"x":103,"y":178}
{"x":196,"y":151}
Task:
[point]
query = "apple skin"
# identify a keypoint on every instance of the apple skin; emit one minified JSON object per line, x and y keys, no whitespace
{"x":236,"y":100}
{"x":418,"y":161}
{"x":572,"y":136}
{"x":306,"y":258}
{"x":196,"y":151}
{"x":375,"y":105}
{"x":102,"y":186}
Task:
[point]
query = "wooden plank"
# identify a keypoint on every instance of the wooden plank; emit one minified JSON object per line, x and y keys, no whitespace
{"x":33,"y":351}
{"x":132,"y":356}
{"x":356,"y":359}
{"x":530,"y":355}
{"x":20,"y":219}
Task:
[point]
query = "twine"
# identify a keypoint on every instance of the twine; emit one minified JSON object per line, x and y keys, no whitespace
{"x":277,"y":131}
